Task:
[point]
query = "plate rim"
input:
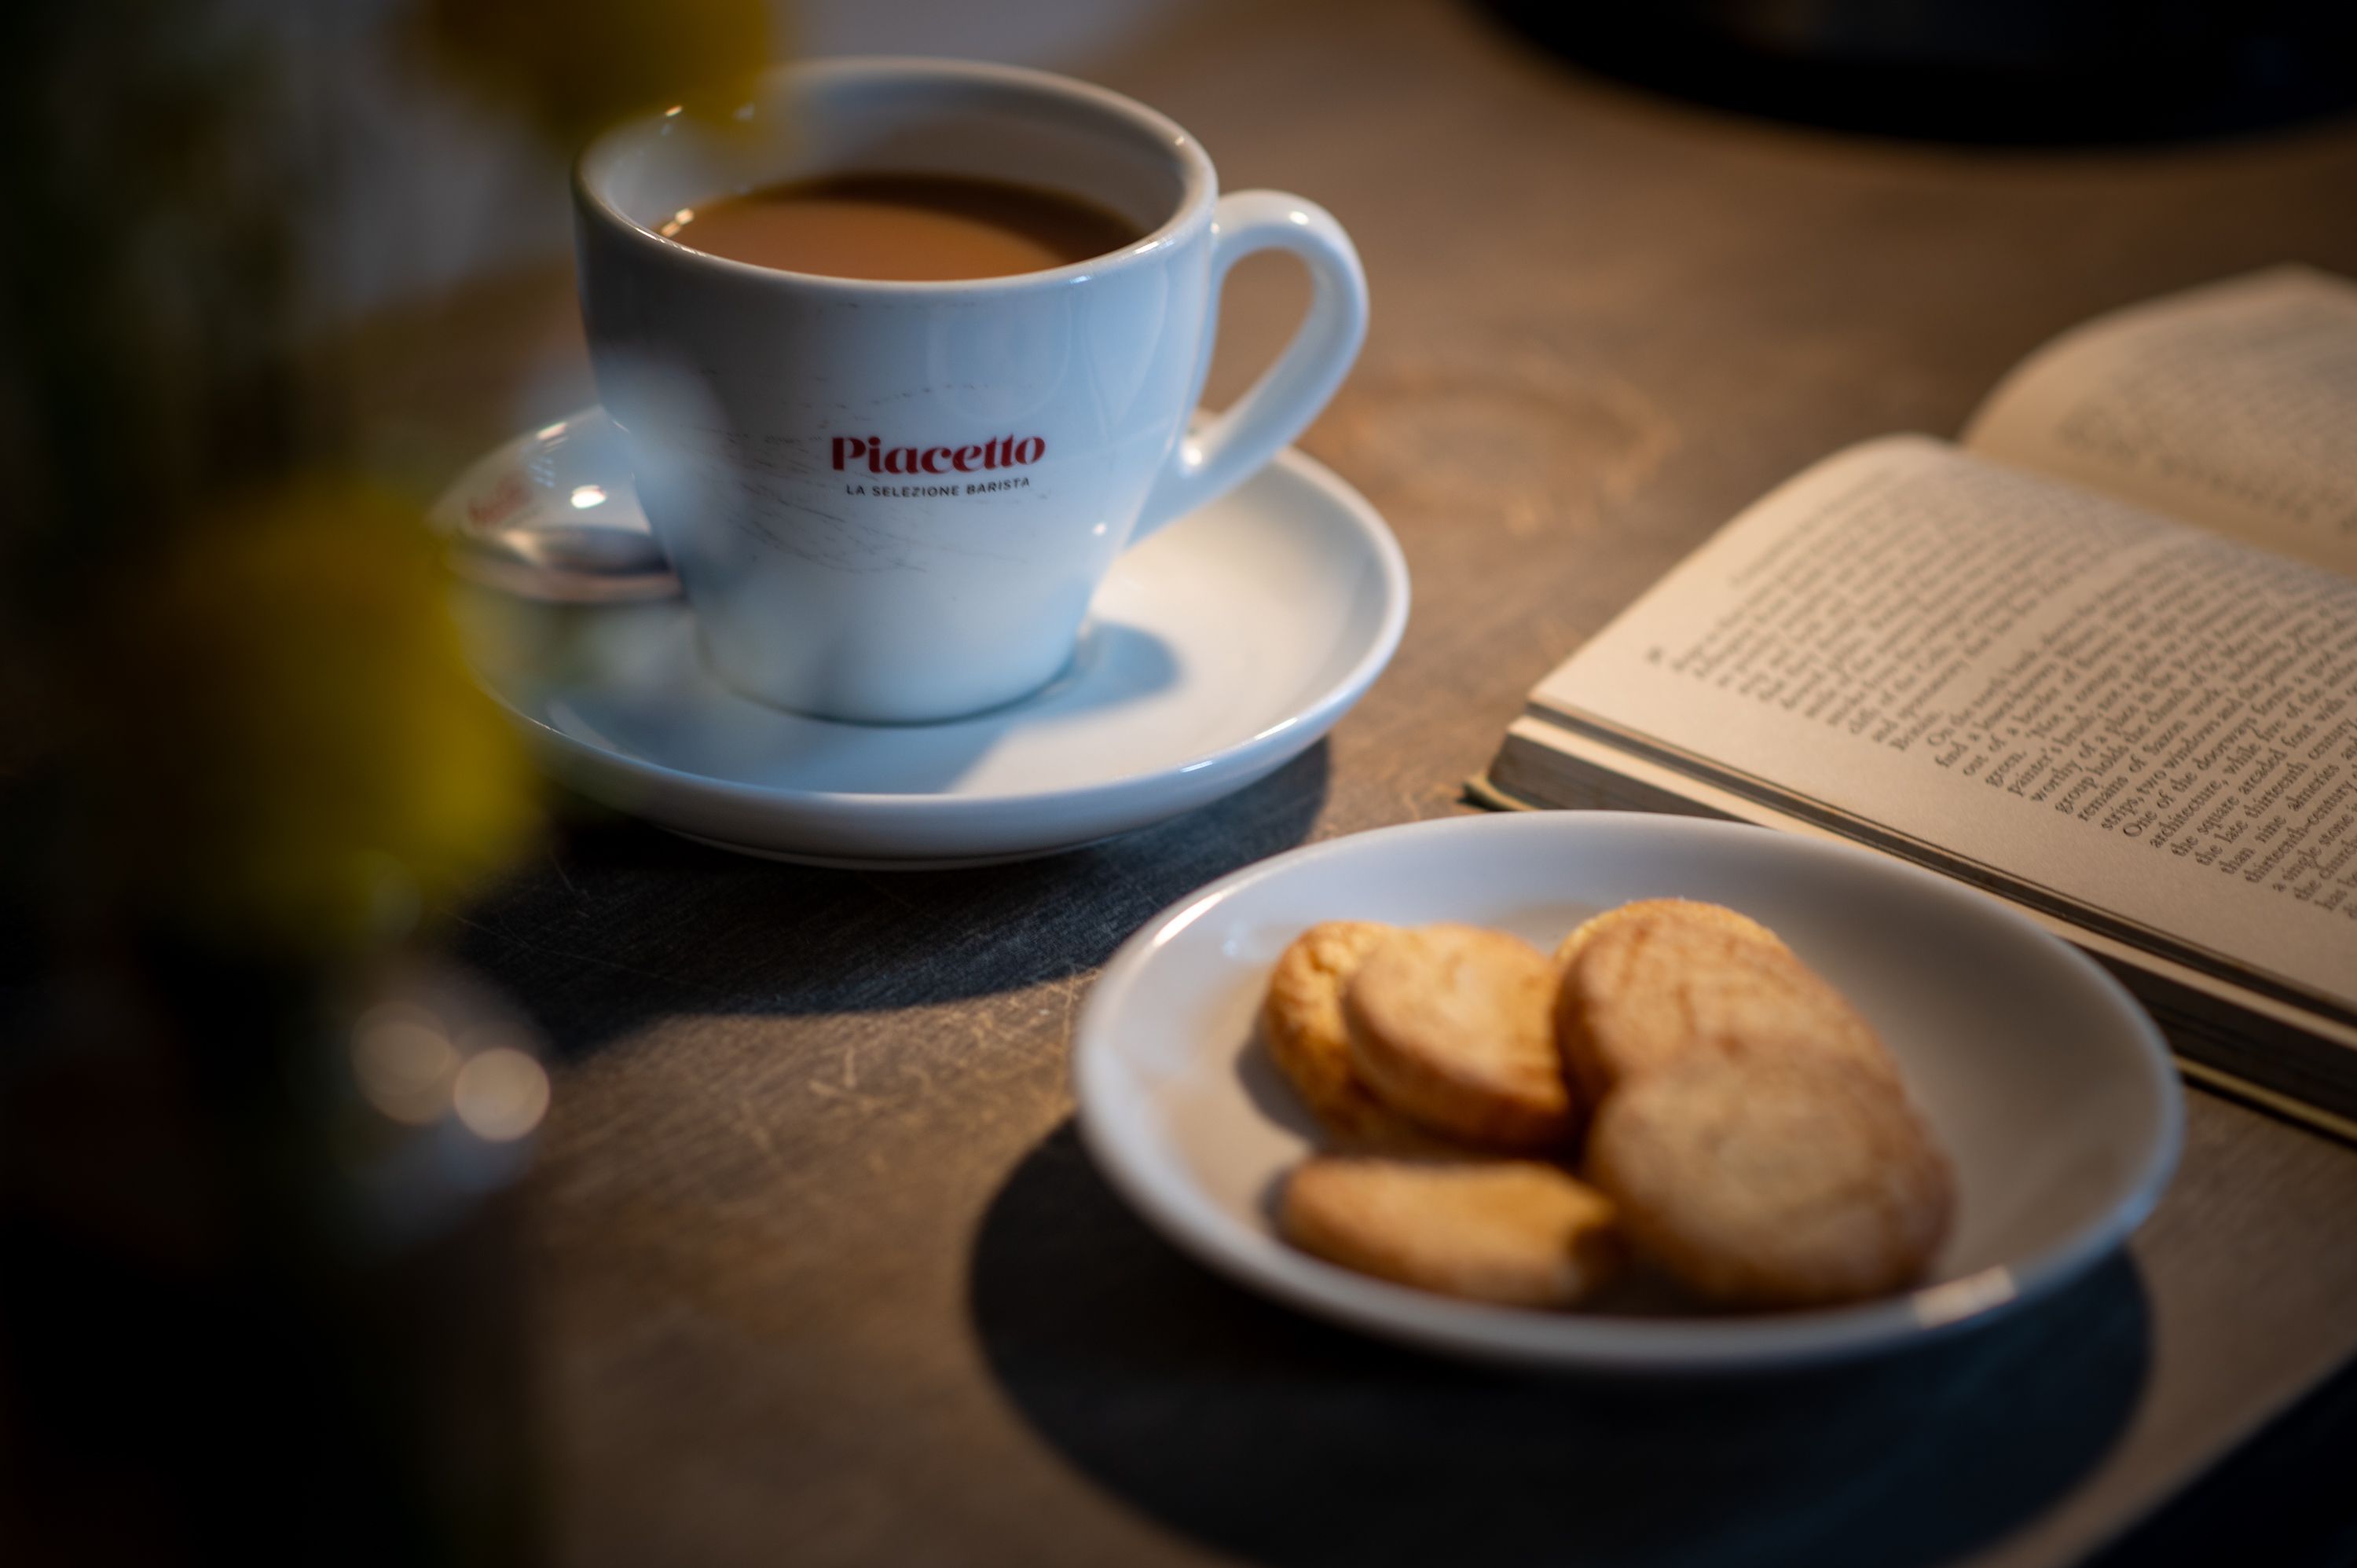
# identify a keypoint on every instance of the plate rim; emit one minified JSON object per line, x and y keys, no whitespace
{"x":1570,"y":1342}
{"x":1304,"y":725}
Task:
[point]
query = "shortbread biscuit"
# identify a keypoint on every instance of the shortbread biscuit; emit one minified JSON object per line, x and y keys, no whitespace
{"x":1773,"y":1181}
{"x":1712,"y":915}
{"x":1669,"y":978}
{"x":1302,"y":1021}
{"x":1511,"y":1231}
{"x":1454,"y":1025}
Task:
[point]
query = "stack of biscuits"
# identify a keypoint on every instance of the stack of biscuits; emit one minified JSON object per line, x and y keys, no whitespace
{"x":1673,"y":1085}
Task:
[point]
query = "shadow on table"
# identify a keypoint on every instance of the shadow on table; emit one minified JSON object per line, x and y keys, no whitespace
{"x":621,"y":923}
{"x":1271,"y":1436}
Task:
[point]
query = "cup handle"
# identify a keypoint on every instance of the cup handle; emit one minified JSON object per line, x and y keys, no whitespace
{"x":1210,"y":460}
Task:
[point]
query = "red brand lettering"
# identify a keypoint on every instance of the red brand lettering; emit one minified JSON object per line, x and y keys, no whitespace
{"x":998,"y":452}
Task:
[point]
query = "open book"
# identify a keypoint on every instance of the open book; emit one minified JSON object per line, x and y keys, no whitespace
{"x":2100,"y":660}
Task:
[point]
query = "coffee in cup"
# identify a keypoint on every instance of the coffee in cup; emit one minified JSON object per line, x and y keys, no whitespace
{"x":890,"y":498}
{"x":910,"y":228}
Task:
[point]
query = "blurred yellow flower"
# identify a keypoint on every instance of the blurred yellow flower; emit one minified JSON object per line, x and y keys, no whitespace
{"x":577,"y":64}
{"x":292,"y":754}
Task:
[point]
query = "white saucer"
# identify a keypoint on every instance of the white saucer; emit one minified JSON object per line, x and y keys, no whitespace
{"x":1215,"y":653}
{"x":2050,"y":1087}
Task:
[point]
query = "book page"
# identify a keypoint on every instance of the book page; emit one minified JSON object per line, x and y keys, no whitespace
{"x":2234,"y":406}
{"x":2093,"y":700}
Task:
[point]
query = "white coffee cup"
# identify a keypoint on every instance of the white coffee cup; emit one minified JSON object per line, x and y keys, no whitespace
{"x":891,"y":501}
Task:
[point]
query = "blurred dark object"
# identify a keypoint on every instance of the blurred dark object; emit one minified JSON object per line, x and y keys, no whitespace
{"x":249,"y":1307}
{"x":1976,"y":71}
{"x":260,"y":1265}
{"x":261,"y":1285}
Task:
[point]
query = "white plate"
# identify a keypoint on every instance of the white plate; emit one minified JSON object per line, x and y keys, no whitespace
{"x":2051,"y":1088}
{"x":1215,"y":652}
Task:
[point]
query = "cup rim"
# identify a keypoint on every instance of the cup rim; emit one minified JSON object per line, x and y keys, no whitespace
{"x":1199,"y":181}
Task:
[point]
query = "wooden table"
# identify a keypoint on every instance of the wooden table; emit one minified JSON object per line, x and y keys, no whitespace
{"x":826,"y":1277}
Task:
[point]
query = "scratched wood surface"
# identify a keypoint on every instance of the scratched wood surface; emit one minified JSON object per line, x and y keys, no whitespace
{"x":824,"y":1275}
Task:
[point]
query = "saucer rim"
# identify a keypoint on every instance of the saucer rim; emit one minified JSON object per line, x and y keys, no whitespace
{"x":1309,"y":721}
{"x":981,"y":862}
